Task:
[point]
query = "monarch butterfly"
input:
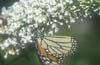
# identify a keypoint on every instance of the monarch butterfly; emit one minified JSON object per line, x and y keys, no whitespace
{"x":52,"y":50}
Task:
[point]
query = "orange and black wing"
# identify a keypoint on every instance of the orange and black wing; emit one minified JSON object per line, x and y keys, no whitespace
{"x":53,"y":50}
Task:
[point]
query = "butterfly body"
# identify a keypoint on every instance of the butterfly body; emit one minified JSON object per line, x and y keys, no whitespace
{"x":53,"y":50}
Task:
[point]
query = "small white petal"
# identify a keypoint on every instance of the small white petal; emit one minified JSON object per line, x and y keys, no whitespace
{"x":60,"y":17}
{"x":61,"y":24}
{"x":69,"y":26}
{"x":72,"y":20}
{"x":99,"y":13}
{"x":6,"y":55}
{"x":1,"y":21}
{"x":50,"y":32}
{"x":66,"y":13}
{"x":66,"y":21}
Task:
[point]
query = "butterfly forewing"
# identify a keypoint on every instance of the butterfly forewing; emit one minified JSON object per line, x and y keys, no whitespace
{"x":52,"y":50}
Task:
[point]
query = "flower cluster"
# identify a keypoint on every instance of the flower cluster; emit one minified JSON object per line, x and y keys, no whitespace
{"x":27,"y":19}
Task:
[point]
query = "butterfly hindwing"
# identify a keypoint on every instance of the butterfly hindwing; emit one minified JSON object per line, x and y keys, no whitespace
{"x":53,"y":50}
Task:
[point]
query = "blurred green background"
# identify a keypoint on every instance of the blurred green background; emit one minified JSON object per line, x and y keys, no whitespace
{"x":87,"y":34}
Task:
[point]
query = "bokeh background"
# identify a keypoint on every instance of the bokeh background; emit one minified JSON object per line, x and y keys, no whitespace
{"x":87,"y":34}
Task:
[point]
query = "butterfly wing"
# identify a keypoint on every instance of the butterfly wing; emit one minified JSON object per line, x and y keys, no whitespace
{"x":53,"y":50}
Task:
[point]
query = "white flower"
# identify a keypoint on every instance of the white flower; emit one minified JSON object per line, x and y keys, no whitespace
{"x":6,"y":55}
{"x":53,"y":25}
{"x":55,"y":21}
{"x":6,"y":43}
{"x":66,"y":13}
{"x":69,"y":26}
{"x":30,"y":16}
{"x":40,"y":21}
{"x":35,"y":25}
{"x":56,"y":30}
{"x":53,"y":2}
{"x":48,"y":23}
{"x":61,"y":23}
{"x":1,"y":21}
{"x":4,"y":11}
{"x":11,"y":52}
{"x":74,"y":7}
{"x":72,"y":20}
{"x":69,"y":1}
{"x":50,"y":32}
{"x":66,"y":21}
{"x":99,"y":13}
{"x":60,"y":17}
